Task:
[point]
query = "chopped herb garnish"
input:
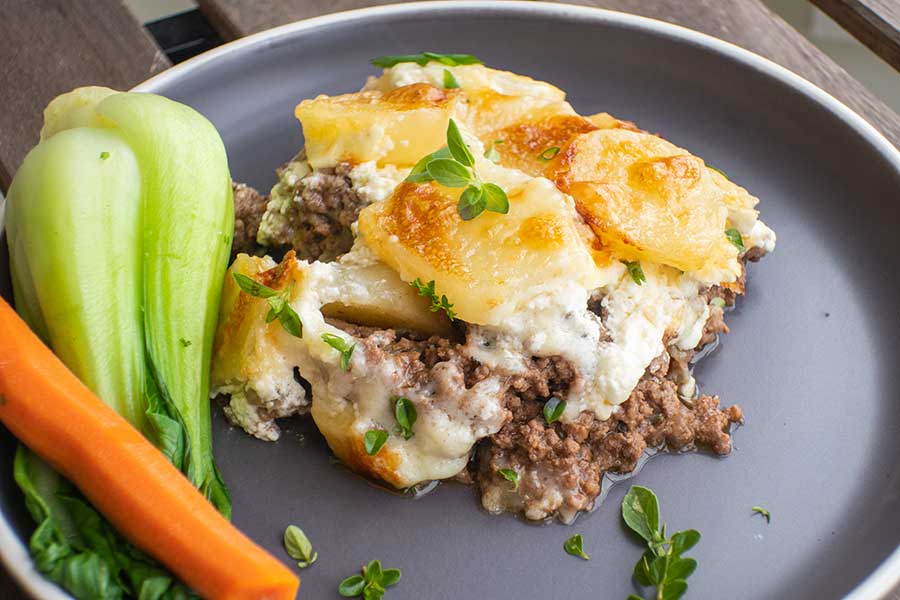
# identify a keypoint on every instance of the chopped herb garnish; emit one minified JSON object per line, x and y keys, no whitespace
{"x":405,"y":413}
{"x":104,"y":155}
{"x":635,"y":270}
{"x":423,"y":58}
{"x":554,"y":409}
{"x":437,"y":303}
{"x":279,"y":306}
{"x":734,"y":236}
{"x":717,"y":301}
{"x":454,"y":167}
{"x":762,"y":511}
{"x":341,"y":345}
{"x":450,"y":82}
{"x":575,"y":546}
{"x":298,"y":546}
{"x":184,"y":343}
{"x":661,"y":566}
{"x":511,"y":476}
{"x":548,"y":154}
{"x":374,"y":440}
{"x":491,"y":153}
{"x":371,"y":584}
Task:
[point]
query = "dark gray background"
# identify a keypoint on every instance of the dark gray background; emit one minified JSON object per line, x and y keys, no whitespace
{"x":812,"y":357}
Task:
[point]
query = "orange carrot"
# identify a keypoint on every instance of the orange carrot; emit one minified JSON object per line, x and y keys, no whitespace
{"x":125,"y":477}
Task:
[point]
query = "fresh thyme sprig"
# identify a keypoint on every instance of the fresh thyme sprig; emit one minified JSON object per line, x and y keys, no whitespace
{"x":661,"y":565}
{"x":423,"y":58}
{"x":279,"y":305}
{"x":371,"y":584}
{"x":454,"y":167}
{"x":341,"y":345}
{"x":437,"y":302}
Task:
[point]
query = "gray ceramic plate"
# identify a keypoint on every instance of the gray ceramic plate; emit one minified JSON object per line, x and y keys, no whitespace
{"x":812,"y":356}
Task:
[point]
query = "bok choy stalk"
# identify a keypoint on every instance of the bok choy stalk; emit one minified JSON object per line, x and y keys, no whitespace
{"x":188,"y":223}
{"x":118,"y":267}
{"x":120,"y":225}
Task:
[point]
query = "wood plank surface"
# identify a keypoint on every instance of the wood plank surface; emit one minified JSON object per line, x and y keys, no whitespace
{"x":875,"y":23}
{"x":747,"y":23}
{"x":48,"y":47}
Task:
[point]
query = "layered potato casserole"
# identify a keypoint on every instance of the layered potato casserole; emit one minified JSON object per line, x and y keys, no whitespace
{"x":488,"y":286}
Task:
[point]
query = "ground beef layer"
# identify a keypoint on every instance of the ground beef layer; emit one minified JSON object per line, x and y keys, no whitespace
{"x":561,"y":465}
{"x":312,"y":215}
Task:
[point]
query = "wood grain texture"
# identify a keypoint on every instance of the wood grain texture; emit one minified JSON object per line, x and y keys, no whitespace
{"x":747,"y":23}
{"x":51,"y":46}
{"x":875,"y":23}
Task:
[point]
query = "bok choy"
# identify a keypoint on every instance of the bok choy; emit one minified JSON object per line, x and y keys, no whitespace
{"x":119,"y":225}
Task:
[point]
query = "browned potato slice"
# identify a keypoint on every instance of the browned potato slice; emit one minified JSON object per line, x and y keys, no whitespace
{"x":646,"y":197}
{"x":397,"y":127}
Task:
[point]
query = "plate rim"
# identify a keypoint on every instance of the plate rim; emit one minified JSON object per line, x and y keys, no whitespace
{"x":14,"y":554}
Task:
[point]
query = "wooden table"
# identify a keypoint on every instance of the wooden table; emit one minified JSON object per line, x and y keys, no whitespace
{"x":50,"y":46}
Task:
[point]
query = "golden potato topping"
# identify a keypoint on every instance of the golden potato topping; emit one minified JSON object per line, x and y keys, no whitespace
{"x":397,"y":127}
{"x":648,"y":198}
{"x":492,"y":264}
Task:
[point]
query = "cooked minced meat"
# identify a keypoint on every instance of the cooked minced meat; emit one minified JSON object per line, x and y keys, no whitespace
{"x":561,"y":465}
{"x":249,"y":206}
{"x":311,"y":212}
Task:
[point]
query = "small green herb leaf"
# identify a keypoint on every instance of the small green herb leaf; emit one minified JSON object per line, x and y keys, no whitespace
{"x":734,"y":236}
{"x":685,"y":540}
{"x":374,"y":440}
{"x":419,"y":172}
{"x":641,"y":572}
{"x":762,"y":511}
{"x":718,"y":301}
{"x":298,"y":546}
{"x":674,"y":590}
{"x":548,"y":154}
{"x":390,"y":577}
{"x":104,"y":155}
{"x":352,"y":586}
{"x":635,"y":270}
{"x":290,"y":321}
{"x":680,"y":568}
{"x":657,"y":572}
{"x":575,"y":546}
{"x":458,"y":148}
{"x":471,"y":203}
{"x":640,"y":510}
{"x":372,"y":571}
{"x":423,"y":58}
{"x":511,"y":476}
{"x":253,"y":288}
{"x":449,"y":173}
{"x":437,"y":303}
{"x":341,"y":345}
{"x":495,"y":199}
{"x":554,"y":409}
{"x":405,"y":413}
{"x":450,"y":82}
